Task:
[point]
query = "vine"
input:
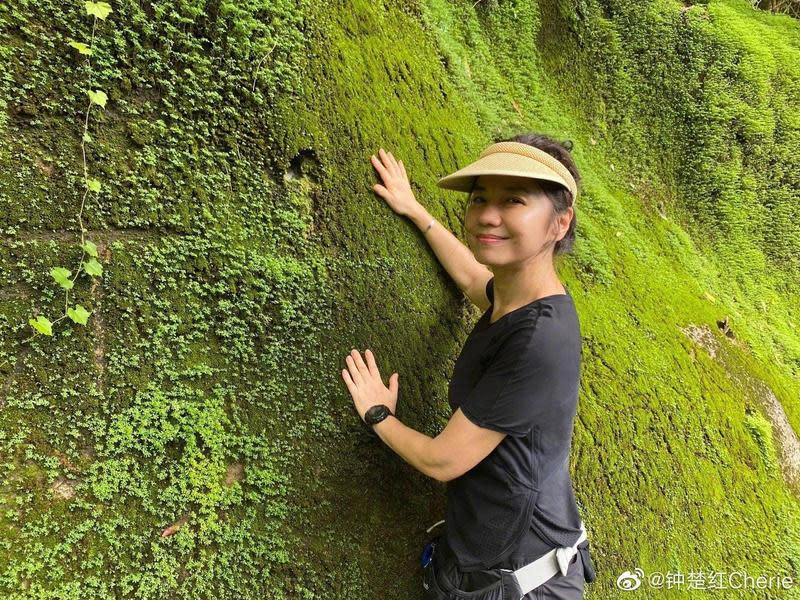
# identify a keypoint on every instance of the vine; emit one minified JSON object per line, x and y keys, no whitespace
{"x":92,"y":267}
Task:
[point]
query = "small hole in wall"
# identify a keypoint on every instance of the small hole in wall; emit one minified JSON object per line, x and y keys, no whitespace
{"x":302,"y":165}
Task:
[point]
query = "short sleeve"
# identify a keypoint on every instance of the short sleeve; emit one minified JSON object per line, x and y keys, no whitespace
{"x":513,"y":393}
{"x":490,"y":290}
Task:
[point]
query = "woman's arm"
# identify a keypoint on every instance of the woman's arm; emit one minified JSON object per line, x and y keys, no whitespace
{"x":468,"y":274}
{"x":457,"y":449}
{"x":461,"y":446}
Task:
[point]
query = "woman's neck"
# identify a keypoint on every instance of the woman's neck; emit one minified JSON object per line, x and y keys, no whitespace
{"x":513,"y":289}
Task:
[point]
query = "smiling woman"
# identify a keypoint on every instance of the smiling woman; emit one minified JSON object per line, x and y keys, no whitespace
{"x":512,"y":525}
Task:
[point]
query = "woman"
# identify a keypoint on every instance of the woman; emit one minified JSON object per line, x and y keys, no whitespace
{"x":512,"y":525}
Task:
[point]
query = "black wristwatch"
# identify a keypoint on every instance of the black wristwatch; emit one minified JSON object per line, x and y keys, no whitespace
{"x":376,"y":414}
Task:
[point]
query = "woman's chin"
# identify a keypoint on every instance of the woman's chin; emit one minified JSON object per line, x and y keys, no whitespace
{"x":487,"y":253}
{"x":486,"y":259}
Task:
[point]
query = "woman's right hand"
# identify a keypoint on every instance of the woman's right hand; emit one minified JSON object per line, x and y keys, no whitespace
{"x":396,"y":188}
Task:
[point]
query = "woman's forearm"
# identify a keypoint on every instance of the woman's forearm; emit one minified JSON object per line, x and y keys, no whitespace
{"x":456,"y":258}
{"x":412,"y":446}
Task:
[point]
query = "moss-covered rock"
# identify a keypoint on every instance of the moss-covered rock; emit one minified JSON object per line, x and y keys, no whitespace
{"x":194,"y":439}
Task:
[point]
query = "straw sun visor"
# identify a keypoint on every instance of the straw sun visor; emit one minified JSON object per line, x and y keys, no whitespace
{"x":513,"y":159}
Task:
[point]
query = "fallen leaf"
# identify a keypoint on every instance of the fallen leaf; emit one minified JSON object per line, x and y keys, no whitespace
{"x":173,"y":529}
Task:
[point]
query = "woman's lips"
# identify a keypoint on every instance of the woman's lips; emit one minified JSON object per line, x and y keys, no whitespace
{"x":484,"y":239}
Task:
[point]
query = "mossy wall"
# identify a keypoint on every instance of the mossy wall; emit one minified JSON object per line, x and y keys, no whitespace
{"x":195,"y":439}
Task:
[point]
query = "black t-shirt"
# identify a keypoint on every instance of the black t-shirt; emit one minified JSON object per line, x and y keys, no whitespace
{"x":519,"y":375}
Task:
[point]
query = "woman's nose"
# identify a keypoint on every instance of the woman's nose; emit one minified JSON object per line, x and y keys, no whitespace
{"x":489,"y":215}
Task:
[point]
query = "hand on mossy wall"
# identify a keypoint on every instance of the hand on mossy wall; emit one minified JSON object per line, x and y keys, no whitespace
{"x":396,"y":188}
{"x":365,"y":384}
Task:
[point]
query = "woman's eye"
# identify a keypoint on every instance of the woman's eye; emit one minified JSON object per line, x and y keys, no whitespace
{"x":514,"y":199}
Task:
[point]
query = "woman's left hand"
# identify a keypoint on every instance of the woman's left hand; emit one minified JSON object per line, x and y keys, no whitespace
{"x":365,"y":383}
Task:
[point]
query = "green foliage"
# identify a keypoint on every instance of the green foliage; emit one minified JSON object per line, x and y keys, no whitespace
{"x":201,"y":398}
{"x":42,"y":325}
{"x":78,"y":314}
{"x":62,"y":277}
{"x":80,"y":47}
{"x":97,"y":97}
{"x":93,"y":268}
{"x":98,"y":9}
{"x":90,"y":248}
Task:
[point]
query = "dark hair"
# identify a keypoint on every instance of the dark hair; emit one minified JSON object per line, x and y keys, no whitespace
{"x":560,"y":197}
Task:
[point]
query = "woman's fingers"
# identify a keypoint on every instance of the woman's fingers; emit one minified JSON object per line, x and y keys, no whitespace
{"x":373,"y":367}
{"x":386,"y":170}
{"x":353,"y":369}
{"x":395,"y":164}
{"x":376,"y":162}
{"x":348,"y":380}
{"x":396,"y":188}
{"x":389,"y":159}
{"x":360,"y":364}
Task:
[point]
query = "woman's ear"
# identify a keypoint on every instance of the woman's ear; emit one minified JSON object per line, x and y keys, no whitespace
{"x":563,"y":221}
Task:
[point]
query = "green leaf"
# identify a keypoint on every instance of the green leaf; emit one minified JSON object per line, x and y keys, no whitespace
{"x":93,"y":185}
{"x":80,"y":47}
{"x":98,"y":97}
{"x":42,"y":325}
{"x":87,"y":137}
{"x":93,"y":267}
{"x":78,"y":314}
{"x":90,"y":248}
{"x":98,"y":9}
{"x":62,"y":276}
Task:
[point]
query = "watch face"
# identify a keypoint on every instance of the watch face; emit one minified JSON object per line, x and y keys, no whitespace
{"x":377,"y":413}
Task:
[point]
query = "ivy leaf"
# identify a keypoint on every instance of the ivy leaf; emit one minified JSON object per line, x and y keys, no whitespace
{"x":42,"y":325}
{"x":93,"y":185}
{"x":99,"y":9}
{"x":90,"y":248}
{"x":98,"y":97}
{"x":93,"y":267}
{"x":80,"y":47}
{"x":62,"y":276}
{"x":87,"y":137}
{"x":78,"y":314}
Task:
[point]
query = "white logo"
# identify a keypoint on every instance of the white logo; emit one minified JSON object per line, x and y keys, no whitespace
{"x":630,"y":581}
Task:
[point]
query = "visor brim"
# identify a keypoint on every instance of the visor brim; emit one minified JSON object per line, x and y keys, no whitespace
{"x":499,"y":163}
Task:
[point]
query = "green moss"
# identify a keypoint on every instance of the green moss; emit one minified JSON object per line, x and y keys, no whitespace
{"x":761,"y":430}
{"x":245,"y":254}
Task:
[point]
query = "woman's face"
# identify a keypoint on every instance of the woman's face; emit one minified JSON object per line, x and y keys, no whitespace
{"x":516,"y":210}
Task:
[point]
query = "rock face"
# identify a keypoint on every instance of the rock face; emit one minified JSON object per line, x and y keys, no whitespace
{"x":193,"y":438}
{"x":788,"y":444}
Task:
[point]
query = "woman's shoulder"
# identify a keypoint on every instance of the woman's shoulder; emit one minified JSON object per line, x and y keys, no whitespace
{"x":553,"y":312}
{"x":547,"y":329}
